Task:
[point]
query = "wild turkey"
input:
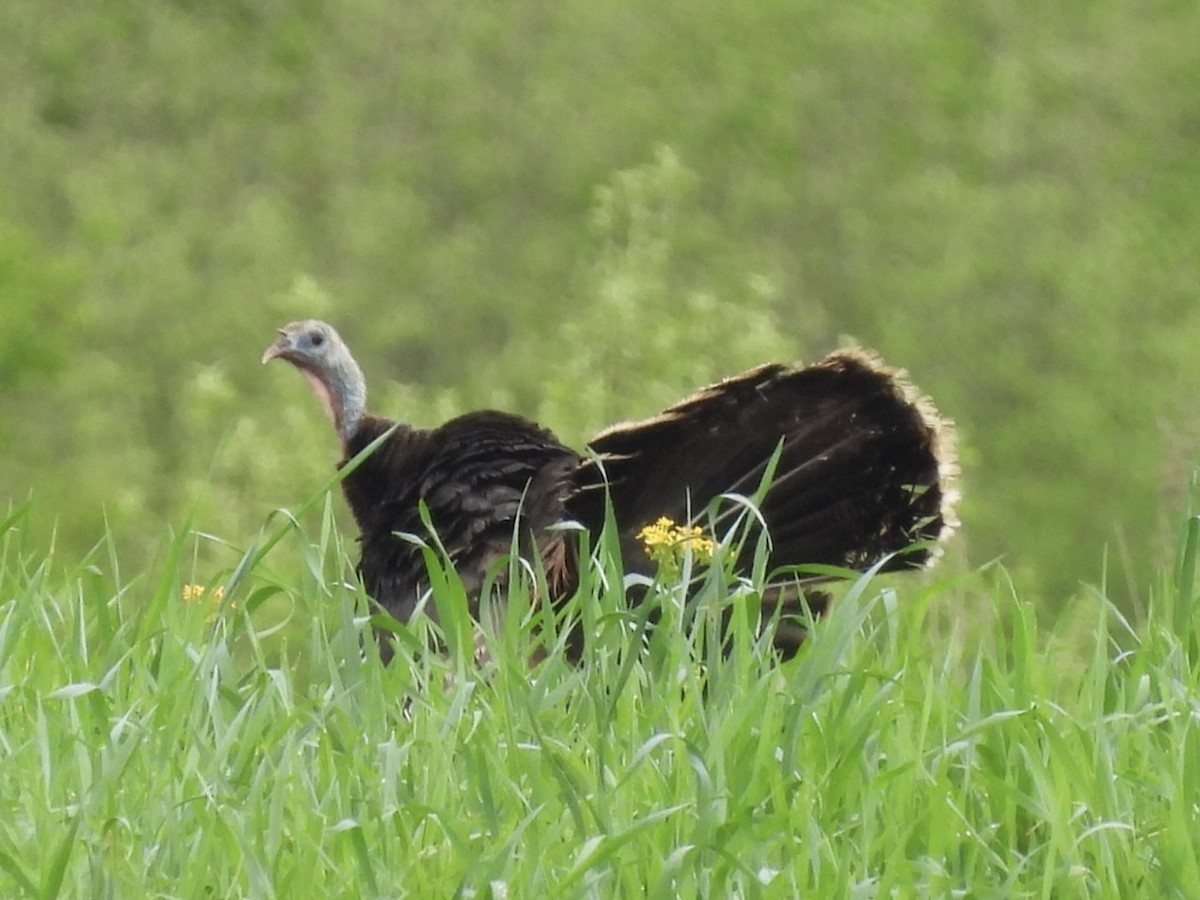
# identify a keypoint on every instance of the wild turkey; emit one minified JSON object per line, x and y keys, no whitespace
{"x":862,"y":473}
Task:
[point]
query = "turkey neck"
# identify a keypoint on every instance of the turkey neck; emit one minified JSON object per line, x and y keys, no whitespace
{"x":343,"y":392}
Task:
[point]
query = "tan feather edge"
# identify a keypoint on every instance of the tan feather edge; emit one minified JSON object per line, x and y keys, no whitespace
{"x":943,"y":438}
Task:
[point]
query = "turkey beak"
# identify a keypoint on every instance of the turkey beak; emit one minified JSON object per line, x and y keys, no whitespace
{"x":280,"y":347}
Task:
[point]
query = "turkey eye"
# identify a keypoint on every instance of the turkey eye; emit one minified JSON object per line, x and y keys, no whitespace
{"x":317,"y":339}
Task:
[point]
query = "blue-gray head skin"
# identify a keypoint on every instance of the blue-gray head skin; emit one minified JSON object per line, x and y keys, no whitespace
{"x":317,"y":350}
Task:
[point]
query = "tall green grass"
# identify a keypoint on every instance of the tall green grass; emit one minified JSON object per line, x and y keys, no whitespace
{"x":931,"y":738}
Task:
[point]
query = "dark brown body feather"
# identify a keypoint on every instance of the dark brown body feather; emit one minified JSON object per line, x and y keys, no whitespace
{"x":475,"y":475}
{"x":863,"y":472}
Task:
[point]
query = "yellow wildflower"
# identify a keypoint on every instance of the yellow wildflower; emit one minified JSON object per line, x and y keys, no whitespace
{"x":192,"y":592}
{"x":666,"y":543}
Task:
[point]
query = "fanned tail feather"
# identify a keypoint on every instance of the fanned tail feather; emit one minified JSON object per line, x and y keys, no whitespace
{"x":865,"y":465}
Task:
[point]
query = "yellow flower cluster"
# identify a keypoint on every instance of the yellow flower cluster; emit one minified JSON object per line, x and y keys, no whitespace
{"x":666,"y":543}
{"x":196,"y":591}
{"x":193,"y":592}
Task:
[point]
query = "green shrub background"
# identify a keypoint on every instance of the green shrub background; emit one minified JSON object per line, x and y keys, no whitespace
{"x":579,"y":211}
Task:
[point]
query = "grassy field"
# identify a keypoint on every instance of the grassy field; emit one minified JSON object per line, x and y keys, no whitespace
{"x":929,"y":740}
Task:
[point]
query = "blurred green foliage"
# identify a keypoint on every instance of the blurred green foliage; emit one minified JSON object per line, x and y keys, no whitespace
{"x":39,"y":294}
{"x":580,"y":211}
